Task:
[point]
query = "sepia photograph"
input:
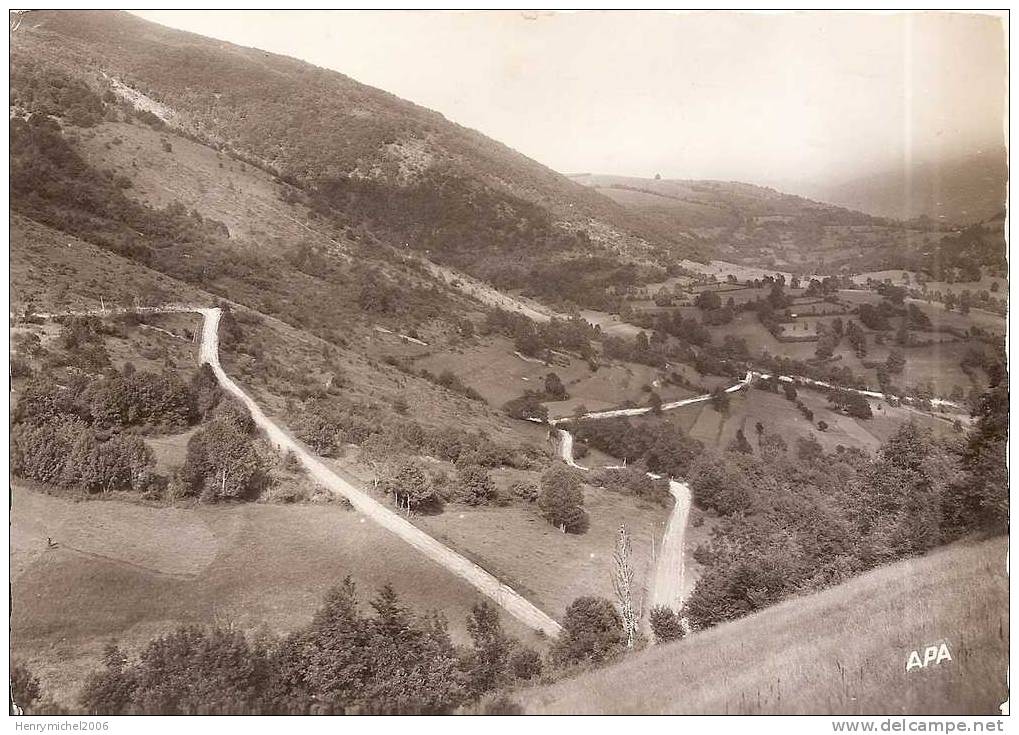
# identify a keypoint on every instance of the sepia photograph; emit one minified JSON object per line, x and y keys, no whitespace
{"x":508,"y":362}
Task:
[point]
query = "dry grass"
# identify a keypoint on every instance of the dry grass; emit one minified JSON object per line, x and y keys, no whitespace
{"x":842,"y":651}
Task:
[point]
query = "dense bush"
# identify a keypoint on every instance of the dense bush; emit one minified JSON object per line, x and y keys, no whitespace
{"x":592,"y":632}
{"x":666,"y":624}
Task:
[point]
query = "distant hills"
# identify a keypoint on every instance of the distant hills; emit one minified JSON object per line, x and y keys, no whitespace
{"x":762,"y":227}
{"x":962,"y":190}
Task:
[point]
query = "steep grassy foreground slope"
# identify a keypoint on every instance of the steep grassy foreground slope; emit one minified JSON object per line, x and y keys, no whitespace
{"x":842,"y":651}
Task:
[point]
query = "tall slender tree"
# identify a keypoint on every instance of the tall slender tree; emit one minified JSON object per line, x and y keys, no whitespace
{"x":622,"y":582}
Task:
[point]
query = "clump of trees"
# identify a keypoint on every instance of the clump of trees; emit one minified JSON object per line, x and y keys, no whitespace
{"x":635,"y":482}
{"x":662,"y":447}
{"x":853,"y":404}
{"x":71,"y":432}
{"x":348,"y":660}
{"x":561,"y":500}
{"x":223,"y":460}
{"x":805,"y":521}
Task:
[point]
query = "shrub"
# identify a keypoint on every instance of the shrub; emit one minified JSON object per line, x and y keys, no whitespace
{"x":525,"y":664}
{"x":525,"y":490}
{"x":666,"y":624}
{"x":24,"y":686}
{"x":592,"y":632}
{"x":474,"y":485}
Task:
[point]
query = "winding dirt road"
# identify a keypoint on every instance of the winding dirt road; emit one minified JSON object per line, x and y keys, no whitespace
{"x":667,"y":584}
{"x":483,"y":581}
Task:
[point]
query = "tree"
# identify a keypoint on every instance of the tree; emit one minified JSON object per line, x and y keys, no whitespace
{"x":655,"y":402}
{"x":561,"y":501}
{"x":740,"y":443}
{"x":526,"y":664}
{"x":488,"y":665}
{"x":979,"y":499}
{"x":554,"y":388}
{"x":592,"y":631}
{"x":708,"y":300}
{"x":474,"y":485}
{"x":666,"y":624}
{"x":409,"y":485}
{"x":622,"y":583}
{"x":720,"y":400}
{"x":24,"y":686}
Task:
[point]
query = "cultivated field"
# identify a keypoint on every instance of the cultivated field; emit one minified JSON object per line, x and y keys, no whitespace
{"x":842,"y":651}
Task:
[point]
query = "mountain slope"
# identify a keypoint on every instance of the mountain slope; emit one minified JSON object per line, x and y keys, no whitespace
{"x":842,"y":651}
{"x":317,"y":128}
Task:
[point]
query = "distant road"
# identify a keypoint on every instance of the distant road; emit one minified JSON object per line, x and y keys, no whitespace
{"x":483,"y":581}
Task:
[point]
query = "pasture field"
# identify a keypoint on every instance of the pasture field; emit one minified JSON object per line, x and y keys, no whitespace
{"x":780,"y":416}
{"x":492,"y":369}
{"x":549,"y":567}
{"x":842,"y":651}
{"x":516,"y":544}
{"x":127,"y":572}
{"x":170,"y":450}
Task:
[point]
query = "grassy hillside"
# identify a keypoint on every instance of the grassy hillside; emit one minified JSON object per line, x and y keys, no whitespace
{"x":842,"y":651}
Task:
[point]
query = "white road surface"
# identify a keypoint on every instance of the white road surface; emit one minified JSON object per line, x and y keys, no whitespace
{"x":483,"y":581}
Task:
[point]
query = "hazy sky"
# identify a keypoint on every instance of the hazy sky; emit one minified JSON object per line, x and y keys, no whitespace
{"x":780,"y":99}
